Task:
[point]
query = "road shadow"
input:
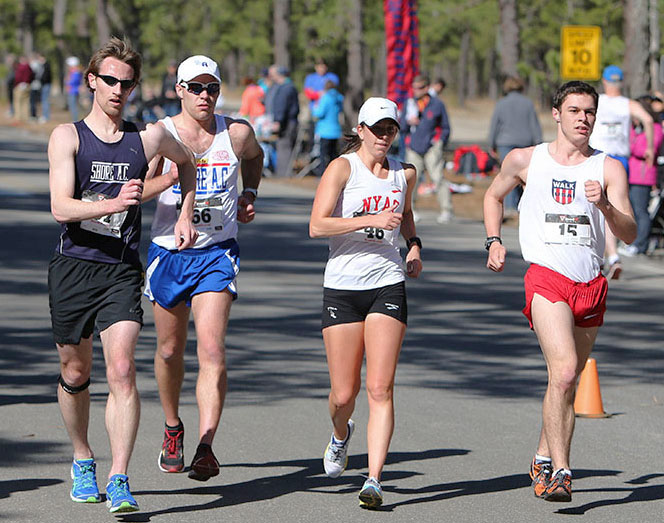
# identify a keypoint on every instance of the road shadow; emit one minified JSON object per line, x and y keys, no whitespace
{"x":634,"y":494}
{"x":308,"y":478}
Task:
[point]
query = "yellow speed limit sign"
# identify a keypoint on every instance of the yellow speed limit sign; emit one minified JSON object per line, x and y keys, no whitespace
{"x":580,"y":50}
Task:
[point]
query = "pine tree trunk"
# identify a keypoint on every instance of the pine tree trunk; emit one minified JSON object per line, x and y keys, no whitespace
{"x":103,"y":25}
{"x":464,"y":53}
{"x":59,"y":10}
{"x":654,"y":45}
{"x":281,"y":18}
{"x":355,"y":80}
{"x":509,"y":29}
{"x":635,"y":33}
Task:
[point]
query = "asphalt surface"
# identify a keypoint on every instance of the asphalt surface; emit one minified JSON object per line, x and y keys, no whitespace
{"x":468,"y":390}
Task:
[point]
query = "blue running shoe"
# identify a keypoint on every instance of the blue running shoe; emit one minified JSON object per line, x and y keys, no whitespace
{"x":118,"y":497}
{"x":84,"y":489}
{"x":371,"y":495}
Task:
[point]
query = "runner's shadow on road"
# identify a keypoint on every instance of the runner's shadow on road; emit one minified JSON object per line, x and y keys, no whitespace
{"x":636,"y":494}
{"x":308,"y":478}
{"x":457,"y":489}
{"x":13,"y":486}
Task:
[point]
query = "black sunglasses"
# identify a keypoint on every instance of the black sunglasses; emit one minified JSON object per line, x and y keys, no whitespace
{"x":112,"y":80}
{"x":385,"y":129}
{"x":197,"y":88}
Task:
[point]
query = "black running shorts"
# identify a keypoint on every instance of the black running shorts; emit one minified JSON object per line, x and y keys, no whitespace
{"x":82,"y":292}
{"x":352,"y":306}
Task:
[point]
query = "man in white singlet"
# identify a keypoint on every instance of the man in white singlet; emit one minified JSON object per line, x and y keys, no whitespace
{"x":571,"y":191}
{"x":611,"y":135}
{"x":201,"y":278}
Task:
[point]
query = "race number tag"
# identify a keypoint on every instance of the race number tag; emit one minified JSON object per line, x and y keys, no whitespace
{"x":109,"y":225}
{"x":613,"y":130}
{"x":567,"y":229}
{"x":208,"y":214}
{"x":371,"y":234}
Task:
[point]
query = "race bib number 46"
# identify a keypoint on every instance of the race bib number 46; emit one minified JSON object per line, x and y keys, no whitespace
{"x":567,"y":229}
{"x":109,"y":225}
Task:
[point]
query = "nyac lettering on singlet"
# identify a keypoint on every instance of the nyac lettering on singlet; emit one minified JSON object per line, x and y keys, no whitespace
{"x":378,"y":203}
{"x":101,"y":169}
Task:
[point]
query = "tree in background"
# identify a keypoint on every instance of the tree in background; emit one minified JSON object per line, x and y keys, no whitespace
{"x":471,"y":44}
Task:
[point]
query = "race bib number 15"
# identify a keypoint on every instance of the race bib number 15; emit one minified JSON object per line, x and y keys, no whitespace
{"x":567,"y":229}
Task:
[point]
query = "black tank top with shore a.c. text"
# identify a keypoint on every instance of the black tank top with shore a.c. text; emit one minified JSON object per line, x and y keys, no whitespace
{"x":101,"y":170}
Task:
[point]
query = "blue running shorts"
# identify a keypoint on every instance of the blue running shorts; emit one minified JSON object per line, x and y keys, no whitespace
{"x":175,"y":276}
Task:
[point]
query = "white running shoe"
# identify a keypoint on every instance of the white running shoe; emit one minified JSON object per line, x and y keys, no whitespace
{"x":444,"y":217}
{"x":336,"y":454}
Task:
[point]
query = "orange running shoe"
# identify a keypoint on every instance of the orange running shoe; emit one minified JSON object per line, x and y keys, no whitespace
{"x":559,"y":488}
{"x":540,"y":473}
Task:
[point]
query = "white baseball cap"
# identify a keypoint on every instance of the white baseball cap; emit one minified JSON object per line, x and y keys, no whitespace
{"x":197,"y":65}
{"x":376,"y":109}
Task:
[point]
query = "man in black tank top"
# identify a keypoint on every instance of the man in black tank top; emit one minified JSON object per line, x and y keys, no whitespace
{"x":97,"y":168}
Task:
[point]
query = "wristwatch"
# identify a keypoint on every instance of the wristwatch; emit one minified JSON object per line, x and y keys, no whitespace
{"x":251,"y":190}
{"x":490,"y":240}
{"x":413,"y":241}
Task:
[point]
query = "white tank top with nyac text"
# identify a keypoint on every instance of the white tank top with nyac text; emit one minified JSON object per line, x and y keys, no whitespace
{"x":612,"y":126}
{"x":215,"y":210}
{"x":558,"y":227}
{"x":368,"y":258}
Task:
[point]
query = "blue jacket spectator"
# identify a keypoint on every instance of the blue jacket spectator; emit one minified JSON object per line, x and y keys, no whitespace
{"x":327,"y":111}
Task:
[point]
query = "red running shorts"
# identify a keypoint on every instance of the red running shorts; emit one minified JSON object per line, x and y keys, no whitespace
{"x":586,"y":299}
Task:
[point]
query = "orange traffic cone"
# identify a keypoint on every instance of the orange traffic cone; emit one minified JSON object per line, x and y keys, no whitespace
{"x":588,"y":402}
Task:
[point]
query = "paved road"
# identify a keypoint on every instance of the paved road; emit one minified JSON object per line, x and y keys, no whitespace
{"x":468,"y":395}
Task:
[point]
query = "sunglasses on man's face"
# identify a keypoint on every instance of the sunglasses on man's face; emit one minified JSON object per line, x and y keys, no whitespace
{"x":197,"y":88}
{"x":112,"y":81}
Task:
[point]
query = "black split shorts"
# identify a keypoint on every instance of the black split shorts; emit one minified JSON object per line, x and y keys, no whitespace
{"x":82,"y":292}
{"x":342,"y":306}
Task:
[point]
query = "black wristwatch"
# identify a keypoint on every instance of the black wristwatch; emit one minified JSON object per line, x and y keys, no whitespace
{"x":490,"y":240}
{"x":413,"y":241}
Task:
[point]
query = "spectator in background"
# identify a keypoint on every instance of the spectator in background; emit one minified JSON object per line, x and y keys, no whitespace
{"x":170,"y":102}
{"x":314,"y":85}
{"x":286,"y":107}
{"x":23,"y":77}
{"x":514,"y":124}
{"x":437,"y":87}
{"x":251,"y":106}
{"x":615,"y":113}
{"x":35,"y":85}
{"x":427,"y":129}
{"x":46,"y":79}
{"x":73,"y":84}
{"x":10,"y":62}
{"x":642,"y":177}
{"x":328,"y":129}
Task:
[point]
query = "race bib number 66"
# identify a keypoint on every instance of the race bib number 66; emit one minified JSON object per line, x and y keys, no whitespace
{"x":567,"y":229}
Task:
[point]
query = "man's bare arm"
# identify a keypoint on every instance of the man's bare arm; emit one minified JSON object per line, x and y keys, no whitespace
{"x":65,"y":208}
{"x":613,"y":201}
{"x":512,"y":173}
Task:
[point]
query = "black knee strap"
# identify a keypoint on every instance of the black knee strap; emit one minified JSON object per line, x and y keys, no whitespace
{"x":71,"y":389}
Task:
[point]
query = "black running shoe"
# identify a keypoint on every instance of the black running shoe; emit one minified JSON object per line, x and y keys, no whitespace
{"x":204,"y":465}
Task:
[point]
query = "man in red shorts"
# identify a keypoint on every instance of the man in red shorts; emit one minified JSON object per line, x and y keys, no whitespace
{"x":571,"y":191}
